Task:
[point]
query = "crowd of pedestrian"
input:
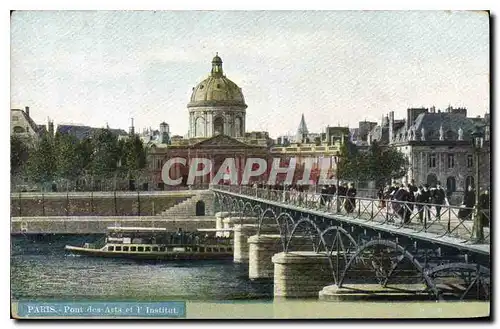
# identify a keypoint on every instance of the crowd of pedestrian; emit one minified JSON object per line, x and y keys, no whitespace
{"x":404,"y":199}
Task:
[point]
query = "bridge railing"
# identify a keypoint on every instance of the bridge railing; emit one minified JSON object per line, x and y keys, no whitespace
{"x":439,"y":219}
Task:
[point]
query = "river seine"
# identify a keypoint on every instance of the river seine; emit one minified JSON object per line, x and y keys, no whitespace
{"x":41,"y":269}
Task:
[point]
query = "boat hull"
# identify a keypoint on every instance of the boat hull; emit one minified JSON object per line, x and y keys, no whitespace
{"x":150,"y":255}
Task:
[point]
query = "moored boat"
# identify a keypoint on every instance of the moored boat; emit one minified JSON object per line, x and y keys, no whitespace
{"x":156,"y":244}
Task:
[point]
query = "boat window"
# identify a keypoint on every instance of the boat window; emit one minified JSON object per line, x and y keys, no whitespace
{"x":118,"y":248}
{"x":229,"y":249}
{"x":111,"y":248}
{"x":209,"y":249}
{"x":162,"y":248}
{"x":202,"y":249}
{"x":125,"y":248}
{"x":133,"y":248}
{"x":155,"y":248}
{"x":140,"y":248}
{"x":148,"y":248}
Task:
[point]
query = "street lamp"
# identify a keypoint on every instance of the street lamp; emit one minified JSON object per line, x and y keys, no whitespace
{"x":477,"y":144}
{"x":337,"y":160}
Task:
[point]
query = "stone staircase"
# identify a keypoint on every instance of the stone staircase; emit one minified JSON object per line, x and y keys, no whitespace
{"x":187,"y":208}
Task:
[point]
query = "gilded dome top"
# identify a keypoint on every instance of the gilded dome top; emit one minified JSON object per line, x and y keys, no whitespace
{"x":217,"y":89}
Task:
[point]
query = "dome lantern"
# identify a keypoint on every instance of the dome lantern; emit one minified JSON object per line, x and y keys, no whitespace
{"x":216,"y":66}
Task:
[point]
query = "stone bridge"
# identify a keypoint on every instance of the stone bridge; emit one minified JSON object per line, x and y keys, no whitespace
{"x":333,"y":247}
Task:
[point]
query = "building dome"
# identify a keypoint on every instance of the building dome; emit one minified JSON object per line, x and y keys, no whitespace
{"x":217,"y":89}
{"x":217,"y":106}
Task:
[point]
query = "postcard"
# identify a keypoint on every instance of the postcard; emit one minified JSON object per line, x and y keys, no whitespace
{"x":250,"y":164}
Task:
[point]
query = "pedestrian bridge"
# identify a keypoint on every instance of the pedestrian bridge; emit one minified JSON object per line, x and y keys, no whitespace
{"x":357,"y":236}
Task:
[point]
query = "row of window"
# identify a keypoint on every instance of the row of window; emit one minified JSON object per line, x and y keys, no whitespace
{"x":451,"y":161}
{"x":162,"y":249}
{"x":451,"y":183}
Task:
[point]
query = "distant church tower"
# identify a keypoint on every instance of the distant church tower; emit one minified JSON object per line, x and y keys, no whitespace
{"x":302,"y":131}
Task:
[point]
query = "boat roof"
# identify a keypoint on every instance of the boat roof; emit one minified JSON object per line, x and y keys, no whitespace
{"x":144,"y":229}
{"x":215,"y":230}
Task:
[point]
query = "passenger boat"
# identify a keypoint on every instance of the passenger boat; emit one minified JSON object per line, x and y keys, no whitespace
{"x":157,"y":244}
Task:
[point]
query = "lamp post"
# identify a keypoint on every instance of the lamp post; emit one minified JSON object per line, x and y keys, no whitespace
{"x":337,"y":155}
{"x":477,"y":228}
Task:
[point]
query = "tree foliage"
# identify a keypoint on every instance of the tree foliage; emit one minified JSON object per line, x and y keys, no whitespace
{"x":41,"y":166}
{"x":18,"y":154}
{"x":64,"y":157}
{"x":377,"y":164}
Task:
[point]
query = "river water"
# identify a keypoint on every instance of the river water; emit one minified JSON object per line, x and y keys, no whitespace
{"x":41,"y":269}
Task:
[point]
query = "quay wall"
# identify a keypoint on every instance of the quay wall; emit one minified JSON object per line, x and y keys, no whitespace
{"x":95,"y":204}
{"x":98,"y":224}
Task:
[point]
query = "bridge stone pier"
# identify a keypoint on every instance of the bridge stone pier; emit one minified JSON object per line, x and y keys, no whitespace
{"x":242,"y":232}
{"x":219,"y":216}
{"x":261,"y":249}
{"x":300,"y":273}
{"x":230,"y":222}
{"x":354,"y":292}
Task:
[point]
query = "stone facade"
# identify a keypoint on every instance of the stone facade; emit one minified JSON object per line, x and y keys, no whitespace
{"x":438,"y":145}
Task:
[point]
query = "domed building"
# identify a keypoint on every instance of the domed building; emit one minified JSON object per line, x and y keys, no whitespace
{"x":217,"y":106}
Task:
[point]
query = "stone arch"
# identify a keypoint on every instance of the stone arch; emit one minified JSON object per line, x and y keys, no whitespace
{"x":238,"y":127}
{"x":451,"y":184}
{"x":199,"y":127}
{"x":219,"y":125}
{"x":200,"y":208}
{"x":18,"y":130}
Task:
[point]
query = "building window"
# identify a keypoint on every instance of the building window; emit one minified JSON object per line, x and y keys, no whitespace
{"x":432,"y":160}
{"x":158,"y":164}
{"x":18,"y":130}
{"x":15,"y":118}
{"x":451,"y":160}
{"x":470,"y":161}
{"x":451,"y":185}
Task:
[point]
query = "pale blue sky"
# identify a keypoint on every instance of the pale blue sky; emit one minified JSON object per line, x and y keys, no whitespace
{"x":335,"y":67}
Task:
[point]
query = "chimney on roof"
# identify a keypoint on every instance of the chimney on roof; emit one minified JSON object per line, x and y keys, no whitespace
{"x":27,"y":110}
{"x":131,"y":129}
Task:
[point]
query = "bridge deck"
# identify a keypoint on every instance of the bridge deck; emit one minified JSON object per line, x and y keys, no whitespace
{"x":433,"y":233}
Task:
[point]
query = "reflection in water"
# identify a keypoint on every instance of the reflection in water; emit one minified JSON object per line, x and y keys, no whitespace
{"x":42,"y":269}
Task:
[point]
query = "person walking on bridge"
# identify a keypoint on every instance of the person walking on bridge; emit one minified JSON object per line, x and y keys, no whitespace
{"x":350,"y":204}
{"x":468,"y":203}
{"x":438,"y":198}
{"x":423,"y":199}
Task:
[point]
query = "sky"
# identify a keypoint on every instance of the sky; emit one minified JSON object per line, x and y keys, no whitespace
{"x":335,"y":67}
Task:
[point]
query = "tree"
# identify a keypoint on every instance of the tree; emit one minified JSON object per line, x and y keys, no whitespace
{"x":385,"y":163}
{"x":18,"y":155}
{"x":42,"y":164}
{"x":69,"y":165}
{"x":105,"y":153}
{"x":378,"y":164}
{"x":134,"y":154}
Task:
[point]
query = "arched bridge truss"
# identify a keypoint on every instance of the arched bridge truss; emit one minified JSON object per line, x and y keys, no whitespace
{"x":359,"y":254}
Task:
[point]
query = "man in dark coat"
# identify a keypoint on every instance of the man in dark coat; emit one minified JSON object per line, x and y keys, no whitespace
{"x":342,"y":192}
{"x":331,"y":190}
{"x":412,"y":189}
{"x":438,"y":198}
{"x":469,"y":202}
{"x":400,"y":207}
{"x":323,"y":197}
{"x":350,"y":203}
{"x":423,"y":199}
{"x":484,"y":208}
